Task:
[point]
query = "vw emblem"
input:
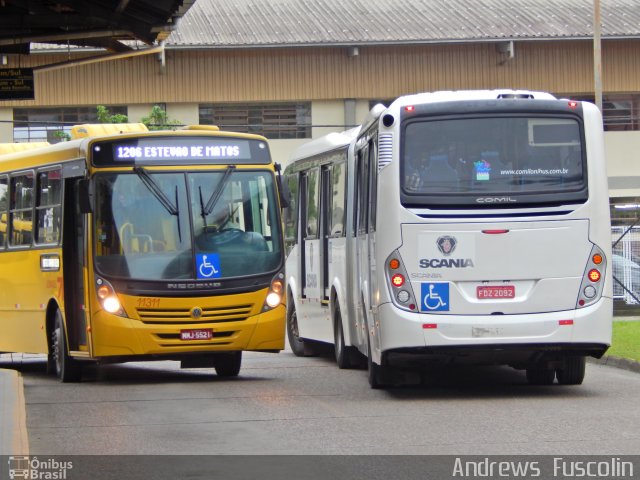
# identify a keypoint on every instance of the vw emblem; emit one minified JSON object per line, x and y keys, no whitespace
{"x":446,"y":244}
{"x":196,"y":312}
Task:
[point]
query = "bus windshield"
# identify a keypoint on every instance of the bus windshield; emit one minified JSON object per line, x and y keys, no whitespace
{"x":197,"y":226}
{"x":500,"y":155}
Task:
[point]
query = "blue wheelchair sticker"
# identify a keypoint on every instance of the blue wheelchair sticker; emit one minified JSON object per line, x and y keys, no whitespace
{"x":208,"y":265}
{"x":434,"y":297}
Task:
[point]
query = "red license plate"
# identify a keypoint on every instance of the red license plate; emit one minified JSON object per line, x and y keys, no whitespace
{"x":503,"y":291}
{"x":198,"y":334}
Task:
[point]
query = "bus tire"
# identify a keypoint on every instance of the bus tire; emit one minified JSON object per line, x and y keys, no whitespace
{"x":300,"y":347}
{"x":345,"y":356}
{"x":572,"y":371}
{"x":540,"y":373}
{"x":228,"y":364}
{"x":67,"y":369}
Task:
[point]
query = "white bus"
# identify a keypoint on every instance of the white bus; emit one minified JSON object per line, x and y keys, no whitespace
{"x":454,"y":227}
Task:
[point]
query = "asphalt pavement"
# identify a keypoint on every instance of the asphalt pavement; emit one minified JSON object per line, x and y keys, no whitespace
{"x":13,"y":430}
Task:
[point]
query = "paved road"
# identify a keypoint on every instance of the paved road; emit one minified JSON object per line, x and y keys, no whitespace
{"x":282,"y":404}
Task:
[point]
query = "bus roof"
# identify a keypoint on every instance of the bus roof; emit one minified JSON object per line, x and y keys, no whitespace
{"x":20,"y":147}
{"x":462,"y":95}
{"x":325,"y":143}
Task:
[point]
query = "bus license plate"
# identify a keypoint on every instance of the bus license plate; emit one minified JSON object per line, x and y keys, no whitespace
{"x":199,"y":334}
{"x":503,"y":291}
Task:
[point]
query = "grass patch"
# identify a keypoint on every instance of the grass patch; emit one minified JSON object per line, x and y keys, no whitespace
{"x":626,"y":340}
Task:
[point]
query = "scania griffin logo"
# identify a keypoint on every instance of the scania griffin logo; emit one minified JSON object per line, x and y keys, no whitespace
{"x":495,"y":200}
{"x":196,"y":312}
{"x":446,"y":244}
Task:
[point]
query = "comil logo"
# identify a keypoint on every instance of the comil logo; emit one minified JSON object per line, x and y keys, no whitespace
{"x":446,"y":244}
{"x":38,"y":469}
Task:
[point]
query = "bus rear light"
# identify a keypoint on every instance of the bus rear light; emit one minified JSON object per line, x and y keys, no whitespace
{"x":594,"y":275}
{"x":573,"y":104}
{"x":409,"y":108}
{"x":429,"y":325}
{"x":400,"y":290}
{"x":565,"y":322}
{"x":403,"y":296}
{"x":592,"y":286}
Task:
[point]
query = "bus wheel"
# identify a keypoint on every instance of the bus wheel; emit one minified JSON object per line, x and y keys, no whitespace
{"x":572,"y":371}
{"x":345,"y":356}
{"x":228,"y":364}
{"x":300,"y":347}
{"x":67,"y":369}
{"x":540,"y":374}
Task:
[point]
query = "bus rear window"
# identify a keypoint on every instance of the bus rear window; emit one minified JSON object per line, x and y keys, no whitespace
{"x":485,"y":156}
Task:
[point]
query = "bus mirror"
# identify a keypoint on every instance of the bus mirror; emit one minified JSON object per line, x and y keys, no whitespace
{"x":85,"y":196}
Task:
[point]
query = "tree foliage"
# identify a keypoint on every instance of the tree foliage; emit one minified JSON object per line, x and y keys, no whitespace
{"x":105,"y":117}
{"x":159,"y":120}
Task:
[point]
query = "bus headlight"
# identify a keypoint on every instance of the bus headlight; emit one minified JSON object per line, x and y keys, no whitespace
{"x":273,"y":300}
{"x":111,"y":304}
{"x":108,"y":299}
{"x":274,"y":295}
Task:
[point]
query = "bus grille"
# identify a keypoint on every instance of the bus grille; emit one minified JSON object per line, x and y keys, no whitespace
{"x":236,"y":313}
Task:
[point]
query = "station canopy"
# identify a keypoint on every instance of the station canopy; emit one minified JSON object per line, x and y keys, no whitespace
{"x":109,"y":24}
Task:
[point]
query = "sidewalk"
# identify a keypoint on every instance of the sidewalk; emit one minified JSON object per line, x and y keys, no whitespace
{"x":13,"y":425}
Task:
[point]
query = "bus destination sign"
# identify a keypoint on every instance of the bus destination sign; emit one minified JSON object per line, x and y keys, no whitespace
{"x":179,"y":150}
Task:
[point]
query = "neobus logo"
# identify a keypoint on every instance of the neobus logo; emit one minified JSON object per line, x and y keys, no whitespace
{"x":495,"y":200}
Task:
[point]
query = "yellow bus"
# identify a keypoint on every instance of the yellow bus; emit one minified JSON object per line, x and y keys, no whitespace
{"x":128,"y":245}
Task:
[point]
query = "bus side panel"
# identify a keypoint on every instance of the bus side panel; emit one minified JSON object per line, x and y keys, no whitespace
{"x":25,"y":292}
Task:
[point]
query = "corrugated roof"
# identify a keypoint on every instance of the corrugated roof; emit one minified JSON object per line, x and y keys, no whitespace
{"x":251,"y":23}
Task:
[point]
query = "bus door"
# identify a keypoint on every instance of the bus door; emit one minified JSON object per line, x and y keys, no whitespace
{"x":325,"y":230}
{"x":361,"y":216}
{"x":310,"y":318}
{"x":73,"y":262}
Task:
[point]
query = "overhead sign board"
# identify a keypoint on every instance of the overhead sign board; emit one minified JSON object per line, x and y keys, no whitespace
{"x":16,"y":84}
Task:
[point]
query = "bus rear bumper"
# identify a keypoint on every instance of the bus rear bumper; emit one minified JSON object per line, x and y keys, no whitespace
{"x":585,"y":331}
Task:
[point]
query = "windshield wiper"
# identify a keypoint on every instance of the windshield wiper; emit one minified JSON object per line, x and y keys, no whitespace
{"x":215,"y":196}
{"x":154,"y":188}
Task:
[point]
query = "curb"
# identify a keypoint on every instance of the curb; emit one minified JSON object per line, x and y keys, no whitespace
{"x":13,"y":416}
{"x":617,"y":362}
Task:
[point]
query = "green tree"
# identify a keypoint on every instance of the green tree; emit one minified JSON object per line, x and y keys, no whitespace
{"x":105,"y":117}
{"x":62,"y":136}
{"x":159,"y":120}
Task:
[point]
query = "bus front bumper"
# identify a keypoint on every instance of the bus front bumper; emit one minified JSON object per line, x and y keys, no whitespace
{"x":115,"y":336}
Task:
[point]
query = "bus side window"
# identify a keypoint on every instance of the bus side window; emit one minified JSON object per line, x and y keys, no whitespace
{"x":49,"y":207}
{"x":362,"y":191}
{"x":313,"y":196}
{"x":21,"y":209}
{"x":291,"y":213}
{"x":4,"y":199}
{"x":338,"y":200}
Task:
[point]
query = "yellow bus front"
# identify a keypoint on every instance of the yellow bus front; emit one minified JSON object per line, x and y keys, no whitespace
{"x":186,"y":247}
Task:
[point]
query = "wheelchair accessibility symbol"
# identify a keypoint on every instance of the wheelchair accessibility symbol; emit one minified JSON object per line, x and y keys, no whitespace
{"x":208,"y":265}
{"x":435,"y":297}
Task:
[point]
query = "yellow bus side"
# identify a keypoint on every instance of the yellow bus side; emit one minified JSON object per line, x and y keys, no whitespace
{"x":25,"y":293}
